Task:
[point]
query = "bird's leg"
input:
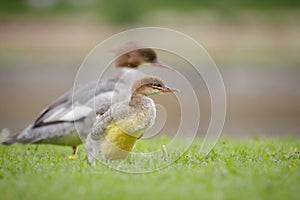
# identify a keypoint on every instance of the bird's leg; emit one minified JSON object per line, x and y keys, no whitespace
{"x":74,"y":150}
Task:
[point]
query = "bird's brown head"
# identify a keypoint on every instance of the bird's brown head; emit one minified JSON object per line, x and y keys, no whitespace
{"x":150,"y":85}
{"x":132,"y":55}
{"x":135,"y":58}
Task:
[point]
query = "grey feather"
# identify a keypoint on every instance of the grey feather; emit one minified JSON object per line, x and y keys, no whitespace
{"x":56,"y":131}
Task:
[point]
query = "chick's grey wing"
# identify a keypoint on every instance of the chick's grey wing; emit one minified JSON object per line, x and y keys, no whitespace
{"x":100,"y":125}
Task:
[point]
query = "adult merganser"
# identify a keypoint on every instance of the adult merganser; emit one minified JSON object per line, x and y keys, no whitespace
{"x":55,"y":124}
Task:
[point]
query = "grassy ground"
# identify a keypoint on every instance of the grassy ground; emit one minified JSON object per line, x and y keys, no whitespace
{"x":235,"y":169}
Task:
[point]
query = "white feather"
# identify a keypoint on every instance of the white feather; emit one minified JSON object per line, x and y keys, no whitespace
{"x":76,"y":113}
{"x":54,"y":115}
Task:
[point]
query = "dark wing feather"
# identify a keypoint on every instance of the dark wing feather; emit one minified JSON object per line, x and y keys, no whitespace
{"x":61,"y":101}
{"x":64,"y":103}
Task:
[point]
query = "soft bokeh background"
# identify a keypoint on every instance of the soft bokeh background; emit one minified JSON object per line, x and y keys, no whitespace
{"x":255,"y":44}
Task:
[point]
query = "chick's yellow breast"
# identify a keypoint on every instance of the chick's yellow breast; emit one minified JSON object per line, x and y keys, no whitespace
{"x":117,"y":142}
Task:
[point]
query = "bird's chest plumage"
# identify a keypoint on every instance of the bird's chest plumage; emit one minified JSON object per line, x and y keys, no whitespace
{"x":116,"y":144}
{"x":120,"y":135}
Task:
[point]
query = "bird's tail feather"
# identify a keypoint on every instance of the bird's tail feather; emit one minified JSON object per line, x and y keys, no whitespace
{"x":14,"y":139}
{"x":4,"y":135}
{"x":6,"y":138}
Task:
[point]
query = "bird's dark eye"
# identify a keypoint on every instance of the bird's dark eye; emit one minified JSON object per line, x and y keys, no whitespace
{"x":157,"y":85}
{"x":145,"y":55}
{"x":149,"y":57}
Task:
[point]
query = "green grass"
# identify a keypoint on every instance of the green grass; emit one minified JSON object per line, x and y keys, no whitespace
{"x":235,"y":169}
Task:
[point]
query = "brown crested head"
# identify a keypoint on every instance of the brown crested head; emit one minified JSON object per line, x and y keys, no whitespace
{"x":135,"y":58}
{"x":133,"y":54}
{"x":150,"y":85}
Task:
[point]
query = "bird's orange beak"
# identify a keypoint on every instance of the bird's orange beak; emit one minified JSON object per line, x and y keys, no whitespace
{"x":161,"y":65}
{"x":166,"y":89}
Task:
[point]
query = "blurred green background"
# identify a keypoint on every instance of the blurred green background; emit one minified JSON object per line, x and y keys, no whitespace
{"x":126,"y":12}
{"x":254,"y":43}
